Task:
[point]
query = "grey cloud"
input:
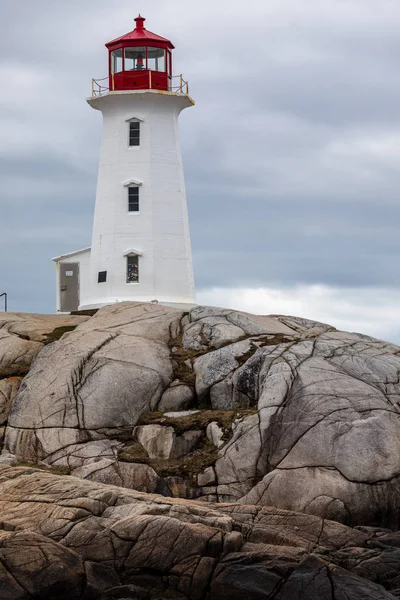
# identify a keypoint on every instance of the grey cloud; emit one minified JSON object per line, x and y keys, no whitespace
{"x":291,"y":154}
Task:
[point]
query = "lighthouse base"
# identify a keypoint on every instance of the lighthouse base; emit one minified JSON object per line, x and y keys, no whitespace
{"x":178,"y":305}
{"x":77,"y":291}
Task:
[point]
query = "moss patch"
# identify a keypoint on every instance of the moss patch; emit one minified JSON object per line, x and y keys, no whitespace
{"x":57,"y":333}
{"x":180,"y":356}
{"x":198,"y":421}
{"x":187,"y":467}
{"x":205,"y":455}
{"x":85,"y":313}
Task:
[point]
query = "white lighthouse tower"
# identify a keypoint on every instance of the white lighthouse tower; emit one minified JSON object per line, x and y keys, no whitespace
{"x":141,"y":243}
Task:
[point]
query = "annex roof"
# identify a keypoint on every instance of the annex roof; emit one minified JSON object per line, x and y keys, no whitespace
{"x":57,"y":258}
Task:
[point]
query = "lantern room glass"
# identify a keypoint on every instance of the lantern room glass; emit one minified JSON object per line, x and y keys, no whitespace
{"x":116,"y":61}
{"x":135,"y":59}
{"x":156,"y":59}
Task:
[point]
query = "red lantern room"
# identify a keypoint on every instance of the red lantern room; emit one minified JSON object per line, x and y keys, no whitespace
{"x":140,"y":60}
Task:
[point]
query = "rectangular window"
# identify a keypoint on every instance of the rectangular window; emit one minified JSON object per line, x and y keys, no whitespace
{"x":132,"y":271}
{"x":135,"y":59}
{"x":156,"y":59}
{"x":102,"y":277}
{"x":116,"y":61}
{"x":134,"y":133}
{"x":133,"y":199}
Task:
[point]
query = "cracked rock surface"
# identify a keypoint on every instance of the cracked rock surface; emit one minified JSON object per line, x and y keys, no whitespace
{"x":290,"y":413}
{"x":63,"y":538}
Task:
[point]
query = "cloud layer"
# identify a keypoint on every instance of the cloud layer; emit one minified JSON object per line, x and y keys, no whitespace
{"x":291,"y":155}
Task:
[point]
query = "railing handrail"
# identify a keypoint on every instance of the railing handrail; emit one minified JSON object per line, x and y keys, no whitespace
{"x":5,"y":300}
{"x":181,"y":87}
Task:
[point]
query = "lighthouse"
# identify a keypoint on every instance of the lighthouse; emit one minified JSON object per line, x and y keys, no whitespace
{"x":140,"y":248}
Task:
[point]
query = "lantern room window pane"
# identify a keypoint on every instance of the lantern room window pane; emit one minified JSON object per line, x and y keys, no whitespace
{"x":116,"y":61}
{"x":156,"y":59}
{"x":134,"y":133}
{"x":132,"y":269}
{"x":135,"y":59}
{"x":133,"y":199}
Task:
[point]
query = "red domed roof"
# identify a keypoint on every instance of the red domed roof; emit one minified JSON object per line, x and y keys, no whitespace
{"x":141,"y":34}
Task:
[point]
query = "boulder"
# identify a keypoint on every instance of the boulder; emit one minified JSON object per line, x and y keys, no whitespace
{"x":65,"y":538}
{"x":34,"y":566}
{"x":36,"y":327}
{"x":22,"y":337}
{"x":308,"y":414}
{"x":8,"y":390}
{"x":215,"y":434}
{"x":139,"y":477}
{"x":102,"y":376}
{"x":162,"y":442}
{"x":177,"y":397}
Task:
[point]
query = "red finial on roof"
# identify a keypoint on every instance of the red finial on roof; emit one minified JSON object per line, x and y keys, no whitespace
{"x":140,"y":22}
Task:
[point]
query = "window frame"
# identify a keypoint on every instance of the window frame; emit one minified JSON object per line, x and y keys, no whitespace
{"x":134,"y":130}
{"x":102,"y":277}
{"x":114,"y":61}
{"x":128,"y":257}
{"x":134,"y":201}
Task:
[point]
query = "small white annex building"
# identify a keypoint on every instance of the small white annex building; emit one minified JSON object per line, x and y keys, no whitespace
{"x":141,"y":243}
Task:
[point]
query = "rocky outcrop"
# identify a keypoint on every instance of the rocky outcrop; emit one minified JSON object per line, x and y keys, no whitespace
{"x":22,"y":337}
{"x":272,"y":410}
{"x":64,"y":538}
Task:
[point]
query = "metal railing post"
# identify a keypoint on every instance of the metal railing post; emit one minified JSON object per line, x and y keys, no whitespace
{"x":150,"y":80}
{"x":5,"y":301}
{"x":181,"y":83}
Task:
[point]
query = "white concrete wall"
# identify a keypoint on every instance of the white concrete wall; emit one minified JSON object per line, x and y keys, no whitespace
{"x":83,"y":258}
{"x":160,"y":231}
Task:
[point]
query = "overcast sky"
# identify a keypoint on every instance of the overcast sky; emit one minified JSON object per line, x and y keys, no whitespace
{"x":291,"y":155}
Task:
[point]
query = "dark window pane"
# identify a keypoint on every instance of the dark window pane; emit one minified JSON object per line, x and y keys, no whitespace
{"x":133,"y":199}
{"x":102,"y":277}
{"x":132,"y":273}
{"x":134,"y":133}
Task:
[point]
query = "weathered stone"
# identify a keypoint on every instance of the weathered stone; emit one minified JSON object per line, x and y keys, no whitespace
{"x":215,"y":434}
{"x":80,"y":540}
{"x":8,"y":390}
{"x":37,"y":327}
{"x":8,"y":459}
{"x":157,"y":440}
{"x":181,"y":413}
{"x":325,"y":439}
{"x":22,"y":337}
{"x":206,"y":478}
{"x":78,"y":455}
{"x":33,"y":566}
{"x":211,"y":327}
{"x":16,"y":354}
{"x":176,"y":398}
{"x":162,"y":442}
{"x":136,"y":476}
{"x":96,"y":378}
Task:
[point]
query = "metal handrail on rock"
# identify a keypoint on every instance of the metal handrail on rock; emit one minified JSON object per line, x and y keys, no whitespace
{"x":5,"y":300}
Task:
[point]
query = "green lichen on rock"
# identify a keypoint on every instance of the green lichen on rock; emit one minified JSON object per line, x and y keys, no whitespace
{"x":57,"y":333}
